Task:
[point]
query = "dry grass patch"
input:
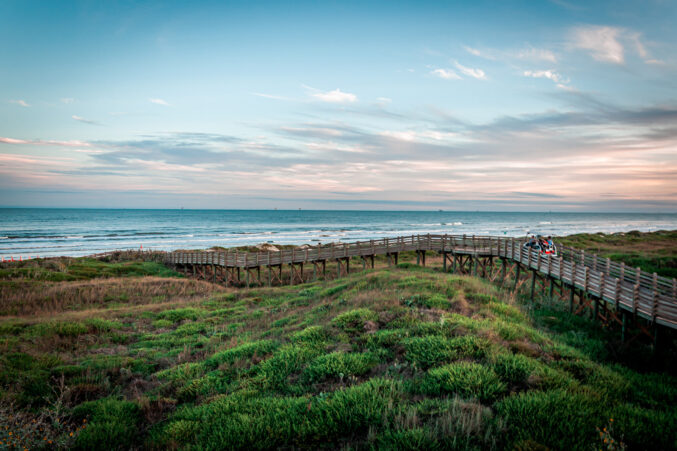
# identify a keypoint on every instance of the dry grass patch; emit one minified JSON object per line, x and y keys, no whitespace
{"x":21,"y":298}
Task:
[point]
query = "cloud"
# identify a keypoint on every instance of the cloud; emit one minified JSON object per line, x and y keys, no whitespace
{"x":44,"y":143}
{"x":473,"y":51}
{"x":335,"y":96}
{"x":159,"y":102}
{"x":549,"y":74}
{"x":270,"y":96}
{"x":526,"y":54}
{"x":67,"y":100}
{"x":447,"y":74}
{"x":601,"y":42}
{"x":475,"y":73}
{"x":610,"y":44}
{"x":537,"y":55}
{"x":22,"y":103}
{"x":85,"y":121}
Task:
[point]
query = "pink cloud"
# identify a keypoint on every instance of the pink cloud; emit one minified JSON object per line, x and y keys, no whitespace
{"x":38,"y":142}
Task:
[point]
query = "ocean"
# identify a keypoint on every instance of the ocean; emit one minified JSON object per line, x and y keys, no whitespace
{"x":31,"y":232}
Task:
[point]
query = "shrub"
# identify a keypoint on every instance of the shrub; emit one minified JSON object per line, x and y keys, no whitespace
{"x":190,"y":329}
{"x":470,"y":346}
{"x":466,"y":379}
{"x":273,"y":373}
{"x":514,"y":368}
{"x":557,"y":419}
{"x":426,"y":352}
{"x":180,"y":314}
{"x":385,"y":338}
{"x":103,"y":325}
{"x":353,"y":321}
{"x":245,"y":421}
{"x":314,"y":335}
{"x":339,"y":365}
{"x":435,"y":300}
{"x":60,"y":328}
{"x":113,"y":424}
{"x":645,"y":429}
{"x":243,"y":351}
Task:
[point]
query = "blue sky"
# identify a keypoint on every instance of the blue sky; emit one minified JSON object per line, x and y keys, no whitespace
{"x":561,"y":105}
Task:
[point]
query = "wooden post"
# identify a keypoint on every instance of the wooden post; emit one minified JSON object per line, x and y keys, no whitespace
{"x":635,"y":295}
{"x":624,"y":325}
{"x":585,"y":287}
{"x":654,"y":306}
{"x":270,"y":276}
{"x":517,"y":276}
{"x":444,"y":261}
{"x":533,"y":284}
{"x":246,"y":268}
{"x":572,"y":293}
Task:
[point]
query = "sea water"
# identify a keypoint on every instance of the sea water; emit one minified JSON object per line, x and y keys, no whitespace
{"x":30,"y":232}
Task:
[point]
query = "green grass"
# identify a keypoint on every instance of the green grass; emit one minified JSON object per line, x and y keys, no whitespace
{"x":650,"y":251}
{"x":398,"y":358}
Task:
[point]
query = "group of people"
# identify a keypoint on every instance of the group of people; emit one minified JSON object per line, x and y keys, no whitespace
{"x":541,"y":244}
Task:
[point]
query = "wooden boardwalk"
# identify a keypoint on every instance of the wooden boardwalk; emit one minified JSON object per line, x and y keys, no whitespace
{"x":611,"y":290}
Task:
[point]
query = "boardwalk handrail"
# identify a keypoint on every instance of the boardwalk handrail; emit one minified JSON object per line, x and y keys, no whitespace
{"x":648,"y":295}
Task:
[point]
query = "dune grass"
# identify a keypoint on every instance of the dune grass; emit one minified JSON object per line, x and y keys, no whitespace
{"x":650,"y":251}
{"x":395,"y":358}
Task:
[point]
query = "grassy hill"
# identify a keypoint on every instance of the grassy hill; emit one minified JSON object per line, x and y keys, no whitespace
{"x":651,"y":251}
{"x":395,"y":358}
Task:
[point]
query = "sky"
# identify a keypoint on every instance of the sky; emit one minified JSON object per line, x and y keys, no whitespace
{"x":557,"y":105}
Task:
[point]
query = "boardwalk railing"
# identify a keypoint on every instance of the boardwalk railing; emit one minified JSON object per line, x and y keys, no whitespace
{"x":646,"y":295}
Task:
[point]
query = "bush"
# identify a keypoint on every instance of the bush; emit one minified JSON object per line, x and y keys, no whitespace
{"x":514,"y":368}
{"x":180,"y":314}
{"x":245,"y":421}
{"x":244,"y":351}
{"x":313,"y":335}
{"x":339,"y":365}
{"x":466,"y":379}
{"x":353,"y":321}
{"x":60,"y":328}
{"x":103,"y":325}
{"x":645,"y":429}
{"x":470,"y":346}
{"x":273,"y":373}
{"x":426,"y":352}
{"x":113,"y":424}
{"x":557,"y":419}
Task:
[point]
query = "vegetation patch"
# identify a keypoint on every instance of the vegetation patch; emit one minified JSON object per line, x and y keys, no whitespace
{"x":401,"y":357}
